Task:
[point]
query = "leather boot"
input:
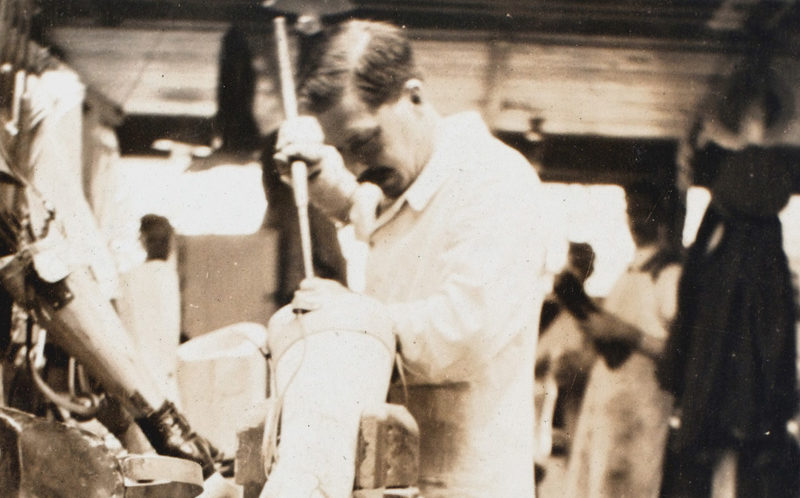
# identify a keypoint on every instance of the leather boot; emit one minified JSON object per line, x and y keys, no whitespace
{"x":170,"y":435}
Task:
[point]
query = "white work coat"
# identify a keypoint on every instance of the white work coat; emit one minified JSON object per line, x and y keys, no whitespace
{"x":459,"y":260}
{"x":150,"y":308}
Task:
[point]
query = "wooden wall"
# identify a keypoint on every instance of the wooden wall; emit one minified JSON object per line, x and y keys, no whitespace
{"x":226,"y":279}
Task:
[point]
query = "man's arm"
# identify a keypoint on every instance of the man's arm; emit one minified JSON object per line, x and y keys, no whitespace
{"x":492,"y":261}
{"x":606,"y":327}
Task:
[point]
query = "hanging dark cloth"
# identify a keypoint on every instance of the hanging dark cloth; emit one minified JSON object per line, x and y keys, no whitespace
{"x":730,"y":358}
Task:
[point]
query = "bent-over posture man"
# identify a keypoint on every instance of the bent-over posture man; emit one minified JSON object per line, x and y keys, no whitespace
{"x":455,"y":235}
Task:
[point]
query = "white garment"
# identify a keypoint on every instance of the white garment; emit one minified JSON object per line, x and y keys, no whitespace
{"x":150,"y":309}
{"x":563,"y":338}
{"x":622,"y":427}
{"x":459,"y":259}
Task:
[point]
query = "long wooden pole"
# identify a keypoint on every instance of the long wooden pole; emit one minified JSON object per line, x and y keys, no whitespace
{"x":299,"y":169}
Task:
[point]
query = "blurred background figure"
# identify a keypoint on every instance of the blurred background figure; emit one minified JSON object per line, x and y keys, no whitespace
{"x":234,"y":123}
{"x":563,"y":360}
{"x":149,"y":303}
{"x":731,"y":360}
{"x":622,"y":424}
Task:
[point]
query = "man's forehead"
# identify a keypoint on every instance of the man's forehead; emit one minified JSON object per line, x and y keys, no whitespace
{"x":338,"y":120}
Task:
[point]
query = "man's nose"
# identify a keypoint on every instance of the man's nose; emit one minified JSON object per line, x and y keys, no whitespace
{"x":365,"y":120}
{"x":356,"y":167}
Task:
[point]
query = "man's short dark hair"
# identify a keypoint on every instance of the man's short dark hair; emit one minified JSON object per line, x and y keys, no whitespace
{"x":581,"y":256}
{"x":156,"y":232}
{"x":375,"y":57}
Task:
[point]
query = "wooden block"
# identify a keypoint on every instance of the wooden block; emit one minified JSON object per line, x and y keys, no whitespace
{"x":388,"y":448}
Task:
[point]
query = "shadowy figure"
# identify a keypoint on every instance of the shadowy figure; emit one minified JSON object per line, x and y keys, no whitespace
{"x":731,"y":358}
{"x":622,"y":424}
{"x":563,"y":357}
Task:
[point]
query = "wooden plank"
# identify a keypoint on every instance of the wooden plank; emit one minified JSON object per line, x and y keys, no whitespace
{"x":607,"y":89}
{"x":162,"y":71}
{"x":601,"y":85}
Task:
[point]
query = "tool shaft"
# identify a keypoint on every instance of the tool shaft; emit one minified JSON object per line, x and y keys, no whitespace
{"x":299,"y":169}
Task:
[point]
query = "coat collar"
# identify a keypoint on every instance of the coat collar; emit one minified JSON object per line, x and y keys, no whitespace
{"x":455,"y":136}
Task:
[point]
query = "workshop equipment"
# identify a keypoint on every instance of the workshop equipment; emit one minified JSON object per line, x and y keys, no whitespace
{"x":43,"y":457}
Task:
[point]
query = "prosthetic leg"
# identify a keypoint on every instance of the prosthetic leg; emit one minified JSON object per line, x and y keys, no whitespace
{"x":81,"y":321}
{"x":329,"y":365}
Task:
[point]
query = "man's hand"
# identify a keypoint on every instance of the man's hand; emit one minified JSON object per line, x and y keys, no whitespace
{"x":615,"y":338}
{"x":315,"y":293}
{"x":330,"y":184}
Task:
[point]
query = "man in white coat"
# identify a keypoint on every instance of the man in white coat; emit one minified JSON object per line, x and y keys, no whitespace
{"x":455,"y":228}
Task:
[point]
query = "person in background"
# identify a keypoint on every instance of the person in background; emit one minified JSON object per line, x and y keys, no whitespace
{"x":235,"y":123}
{"x":149,"y":305}
{"x":456,"y":258}
{"x":564,"y":357}
{"x":622,"y":424}
{"x":731,"y":359}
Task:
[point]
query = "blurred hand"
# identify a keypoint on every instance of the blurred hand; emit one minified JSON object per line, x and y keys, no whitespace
{"x":315,"y":293}
{"x":614,"y":339}
{"x":330,"y":184}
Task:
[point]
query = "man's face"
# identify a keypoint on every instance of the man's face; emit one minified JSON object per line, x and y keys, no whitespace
{"x":382,"y":145}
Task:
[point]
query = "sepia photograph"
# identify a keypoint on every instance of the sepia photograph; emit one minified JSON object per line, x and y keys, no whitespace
{"x":400,"y":248}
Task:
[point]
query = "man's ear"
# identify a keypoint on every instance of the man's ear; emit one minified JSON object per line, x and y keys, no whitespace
{"x":413,"y":89}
